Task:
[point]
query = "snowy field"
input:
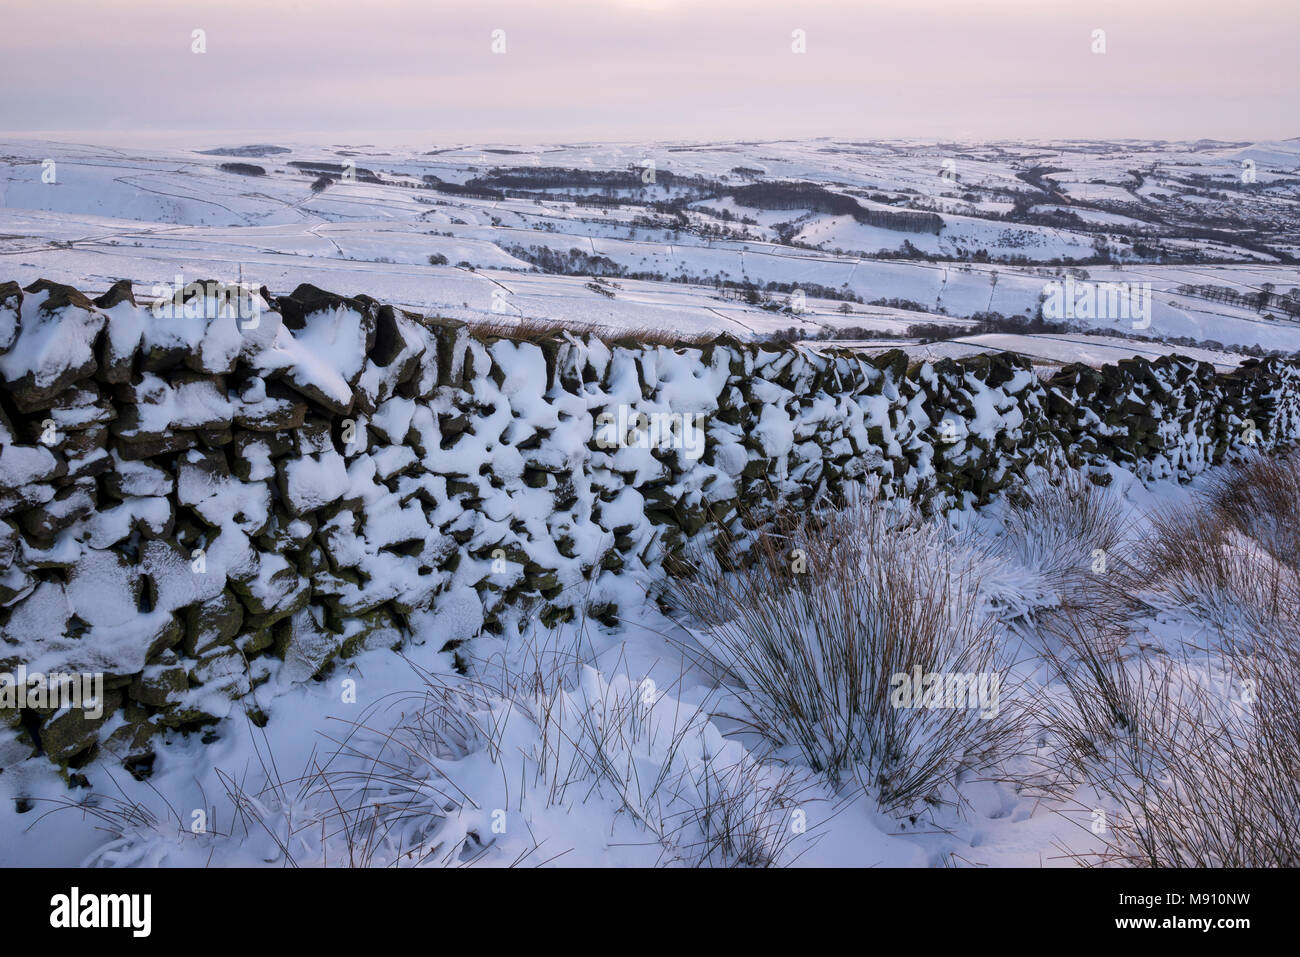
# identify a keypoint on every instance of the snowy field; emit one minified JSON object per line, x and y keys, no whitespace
{"x":1048,"y":351}
{"x":675,"y":227}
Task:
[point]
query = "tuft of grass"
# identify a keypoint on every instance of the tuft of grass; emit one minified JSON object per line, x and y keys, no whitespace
{"x":813,"y":626}
{"x":1203,"y":560}
{"x":420,"y":779}
{"x":1196,"y":750}
{"x":1204,"y":768}
{"x":1261,"y":498}
{"x":1072,"y":537}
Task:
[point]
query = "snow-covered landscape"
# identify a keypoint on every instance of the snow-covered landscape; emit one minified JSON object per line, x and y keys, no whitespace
{"x":455,"y":701}
{"x":445,"y":499}
{"x":685,"y":236}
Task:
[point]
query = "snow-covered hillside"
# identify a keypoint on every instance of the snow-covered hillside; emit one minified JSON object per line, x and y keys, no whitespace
{"x":682,"y":229}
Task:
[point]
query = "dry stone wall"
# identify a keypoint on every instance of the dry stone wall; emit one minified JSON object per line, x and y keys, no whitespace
{"x":197,"y":506}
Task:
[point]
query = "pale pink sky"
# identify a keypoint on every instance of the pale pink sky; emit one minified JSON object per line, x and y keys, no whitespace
{"x":656,"y":69}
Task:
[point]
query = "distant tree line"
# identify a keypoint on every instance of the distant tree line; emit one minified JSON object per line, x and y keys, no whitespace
{"x":791,"y":195}
{"x":579,"y":262}
{"x":1260,"y":300}
{"x":335,"y":171}
{"x":244,"y":169}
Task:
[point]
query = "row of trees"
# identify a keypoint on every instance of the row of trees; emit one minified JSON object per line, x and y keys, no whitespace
{"x":1261,"y":300}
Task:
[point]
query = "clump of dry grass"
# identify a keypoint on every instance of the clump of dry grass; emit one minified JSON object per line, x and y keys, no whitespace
{"x":424,"y":778}
{"x":812,"y":628}
{"x":1202,"y":767}
{"x":1067,"y":529}
{"x":521,"y":329}
{"x":1060,"y":548}
{"x":1196,"y":561}
{"x":743,"y":816}
{"x":1261,"y":498}
{"x":392,"y":798}
{"x":1231,"y":557}
{"x":1198,"y":749}
{"x":1090,"y":656}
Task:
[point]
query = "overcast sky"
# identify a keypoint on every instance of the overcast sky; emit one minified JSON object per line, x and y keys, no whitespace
{"x":654,"y":69}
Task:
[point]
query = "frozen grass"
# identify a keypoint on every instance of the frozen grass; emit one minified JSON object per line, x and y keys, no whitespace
{"x":811,"y":632}
{"x":1070,"y":530}
{"x":1195,"y":746}
{"x":458,"y":773}
{"x":1058,"y":549}
{"x":1230,"y":557}
{"x":1202,"y":765}
{"x":1261,"y":497}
